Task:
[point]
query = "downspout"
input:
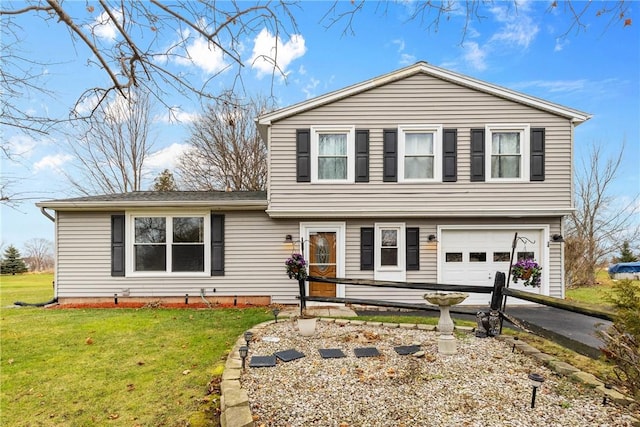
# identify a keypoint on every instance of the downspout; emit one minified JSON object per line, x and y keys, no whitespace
{"x":47,"y":214}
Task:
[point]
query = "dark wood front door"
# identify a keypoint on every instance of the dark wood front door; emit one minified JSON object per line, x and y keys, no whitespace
{"x":322,"y":263}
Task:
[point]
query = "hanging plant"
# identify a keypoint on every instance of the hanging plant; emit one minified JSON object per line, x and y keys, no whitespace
{"x":296,"y":267}
{"x":527,"y":270}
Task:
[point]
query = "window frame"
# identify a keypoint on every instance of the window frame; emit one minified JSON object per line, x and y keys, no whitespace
{"x":436,"y":130}
{"x":169,"y":244}
{"x":400,"y":268}
{"x":350,"y":132}
{"x":524,"y":130}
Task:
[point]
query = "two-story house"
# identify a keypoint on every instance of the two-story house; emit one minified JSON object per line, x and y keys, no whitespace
{"x":420,"y":175}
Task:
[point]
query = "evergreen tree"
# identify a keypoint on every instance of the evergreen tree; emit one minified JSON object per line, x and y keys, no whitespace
{"x":12,"y":262}
{"x":626,"y":255}
{"x":165,"y":182}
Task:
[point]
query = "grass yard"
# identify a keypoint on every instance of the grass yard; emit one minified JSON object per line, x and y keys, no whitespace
{"x":119,"y":367}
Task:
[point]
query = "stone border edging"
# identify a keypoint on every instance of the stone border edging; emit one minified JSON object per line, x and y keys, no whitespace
{"x":234,"y":401}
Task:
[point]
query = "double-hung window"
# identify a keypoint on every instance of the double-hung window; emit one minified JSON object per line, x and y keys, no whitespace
{"x":390,"y":251}
{"x":508,"y":147}
{"x":332,"y":152}
{"x":169,"y":244}
{"x":420,"y":154}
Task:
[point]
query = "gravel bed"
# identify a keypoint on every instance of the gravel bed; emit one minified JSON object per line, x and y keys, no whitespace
{"x":484,"y":384}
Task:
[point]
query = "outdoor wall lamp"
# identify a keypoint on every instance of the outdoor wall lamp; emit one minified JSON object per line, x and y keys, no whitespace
{"x":275,"y":312}
{"x":247,"y":337}
{"x":432,"y":238}
{"x":243,"y":350}
{"x":557,"y":238}
{"x":536,"y":381}
{"x":288,"y":238}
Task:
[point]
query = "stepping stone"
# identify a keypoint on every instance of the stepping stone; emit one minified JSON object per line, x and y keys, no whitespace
{"x":288,"y":355}
{"x":331,"y":353}
{"x":366,"y":352}
{"x":262,"y":361}
{"x":404,"y":350}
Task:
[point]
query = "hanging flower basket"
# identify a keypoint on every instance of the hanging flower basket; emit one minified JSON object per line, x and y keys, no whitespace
{"x":296,"y":267}
{"x":527,"y":270}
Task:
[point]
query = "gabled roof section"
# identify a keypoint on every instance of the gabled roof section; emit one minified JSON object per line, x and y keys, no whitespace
{"x":162,"y":199}
{"x":422,"y":67}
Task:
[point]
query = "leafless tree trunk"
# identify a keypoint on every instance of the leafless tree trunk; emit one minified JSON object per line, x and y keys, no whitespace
{"x":40,"y":254}
{"x":226,"y":151}
{"x":113,"y":146}
{"x":599,"y":225}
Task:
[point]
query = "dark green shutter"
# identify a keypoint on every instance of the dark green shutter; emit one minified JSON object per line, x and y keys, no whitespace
{"x":477,"y":155}
{"x":217,"y":244}
{"x":303,"y":155}
{"x":413,"y":249}
{"x":450,"y":155}
{"x":537,"y":154}
{"x":366,"y":248}
{"x":117,"y":245}
{"x":362,"y":155}
{"x":390,"y":155}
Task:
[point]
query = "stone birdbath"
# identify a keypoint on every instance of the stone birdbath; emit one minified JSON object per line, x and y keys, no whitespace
{"x":446,"y":340}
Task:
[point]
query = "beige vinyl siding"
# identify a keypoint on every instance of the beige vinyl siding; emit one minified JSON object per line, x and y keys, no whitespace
{"x":254,"y":260}
{"x":420,"y":99}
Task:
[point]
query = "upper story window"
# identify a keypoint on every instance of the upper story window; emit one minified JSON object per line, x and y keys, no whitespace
{"x":169,"y":244}
{"x":419,"y":152}
{"x":508,"y":147}
{"x":332,"y":154}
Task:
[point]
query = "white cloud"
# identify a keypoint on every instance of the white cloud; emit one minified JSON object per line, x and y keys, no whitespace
{"x":554,"y":86}
{"x":20,"y":146}
{"x":560,"y":44}
{"x":176,"y":115}
{"x":406,"y":59}
{"x":517,"y":29}
{"x":475,"y":55}
{"x":204,"y":55}
{"x":104,"y":28}
{"x":269,"y":52}
{"x":166,"y":158}
{"x":310,"y":89}
{"x":52,"y":162}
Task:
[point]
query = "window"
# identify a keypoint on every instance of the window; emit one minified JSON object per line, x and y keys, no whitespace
{"x":170,"y":244}
{"x":419,"y":149}
{"x":508,"y":147}
{"x":332,"y":153}
{"x":390,"y":247}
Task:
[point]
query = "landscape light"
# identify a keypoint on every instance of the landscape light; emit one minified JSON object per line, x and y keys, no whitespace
{"x":247,"y":337}
{"x":243,"y":350}
{"x":536,"y":381}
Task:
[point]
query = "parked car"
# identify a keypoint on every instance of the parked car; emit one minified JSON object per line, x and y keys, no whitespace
{"x":625,"y":270}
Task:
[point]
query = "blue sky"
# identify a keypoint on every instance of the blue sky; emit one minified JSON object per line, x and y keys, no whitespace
{"x":595,"y":69}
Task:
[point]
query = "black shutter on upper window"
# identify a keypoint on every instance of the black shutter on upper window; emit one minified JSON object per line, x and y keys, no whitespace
{"x":537,"y":154}
{"x":450,"y":155}
{"x":390,"y":154}
{"x":303,"y":155}
{"x":366,"y":248}
{"x":217,"y":244}
{"x":362,"y":155}
{"x":413,"y":249}
{"x":477,"y":154}
{"x":117,"y":245}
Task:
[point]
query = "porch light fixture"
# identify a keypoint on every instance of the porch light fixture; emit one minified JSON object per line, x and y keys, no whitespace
{"x":557,"y":238}
{"x":536,"y":381}
{"x":275,"y":312}
{"x":288,"y":238}
{"x":247,"y":337}
{"x":243,"y":350}
{"x":432,"y":238}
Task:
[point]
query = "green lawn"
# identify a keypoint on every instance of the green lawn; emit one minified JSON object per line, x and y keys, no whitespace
{"x":120,"y":367}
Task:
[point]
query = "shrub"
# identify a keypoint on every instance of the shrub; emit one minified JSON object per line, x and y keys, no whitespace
{"x":622,"y":339}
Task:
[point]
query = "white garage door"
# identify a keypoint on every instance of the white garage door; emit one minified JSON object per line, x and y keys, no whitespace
{"x":472,"y":256}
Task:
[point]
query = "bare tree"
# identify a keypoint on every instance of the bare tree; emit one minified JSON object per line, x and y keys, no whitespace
{"x":113,"y":146}
{"x":39,"y":254}
{"x":226,"y":151}
{"x":599,"y":226}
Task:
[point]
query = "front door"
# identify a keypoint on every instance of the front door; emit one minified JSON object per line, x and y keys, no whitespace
{"x":322,"y":262}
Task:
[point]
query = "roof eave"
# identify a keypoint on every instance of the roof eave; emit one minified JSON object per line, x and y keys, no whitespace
{"x":113,"y":205}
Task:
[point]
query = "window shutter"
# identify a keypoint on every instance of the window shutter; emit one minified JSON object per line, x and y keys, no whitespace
{"x":449,"y":155}
{"x":413,"y":249}
{"x":366,"y":248}
{"x":477,"y":154}
{"x":117,"y":245}
{"x":362,"y":155}
{"x":537,"y":154}
{"x":390,"y":152}
{"x":303,"y":155}
{"x":217,"y":244}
